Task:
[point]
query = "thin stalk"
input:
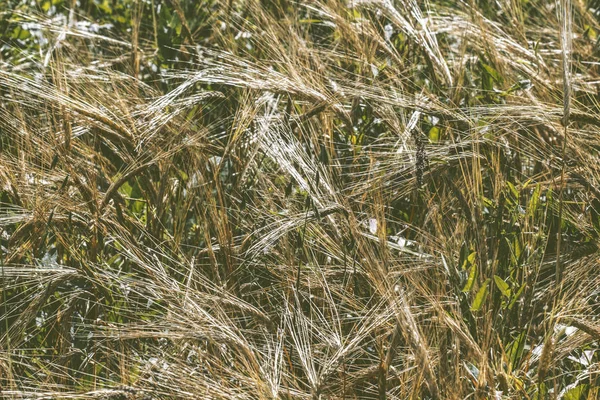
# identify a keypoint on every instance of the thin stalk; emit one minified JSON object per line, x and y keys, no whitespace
{"x":565,"y":35}
{"x":6,"y":327}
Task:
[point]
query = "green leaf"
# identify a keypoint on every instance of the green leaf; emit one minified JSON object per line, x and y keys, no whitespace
{"x":513,"y":189}
{"x":514,"y":351}
{"x":113,"y":259}
{"x":126,"y":189}
{"x":516,"y":297}
{"x":434,"y":134}
{"x":517,"y":250}
{"x":464,"y":253}
{"x":105,"y":6}
{"x":357,"y":139}
{"x":481,"y":296}
{"x":590,"y":33}
{"x":487,"y":202}
{"x":20,"y":33}
{"x":310,"y":21}
{"x":471,"y":280}
{"x":578,"y":392}
{"x":534,"y":201}
{"x":470,"y":262}
{"x":502,"y":286}
{"x":491,"y":72}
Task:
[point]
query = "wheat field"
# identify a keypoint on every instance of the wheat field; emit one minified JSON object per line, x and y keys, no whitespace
{"x":321,"y":199}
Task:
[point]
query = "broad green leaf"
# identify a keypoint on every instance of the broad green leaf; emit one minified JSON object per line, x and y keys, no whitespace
{"x":578,"y":392}
{"x":513,"y":189}
{"x":514,"y":350}
{"x":516,"y":250}
{"x":470,"y":260}
{"x":480,"y":296}
{"x":488,"y":76}
{"x":183,"y":175}
{"x":434,"y":134}
{"x":590,"y":32}
{"x":502,"y":286}
{"x":105,"y":6}
{"x":492,"y":72}
{"x":126,"y":189}
{"x":487,"y":202}
{"x":20,"y":33}
{"x":471,"y":280}
{"x":470,"y":263}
